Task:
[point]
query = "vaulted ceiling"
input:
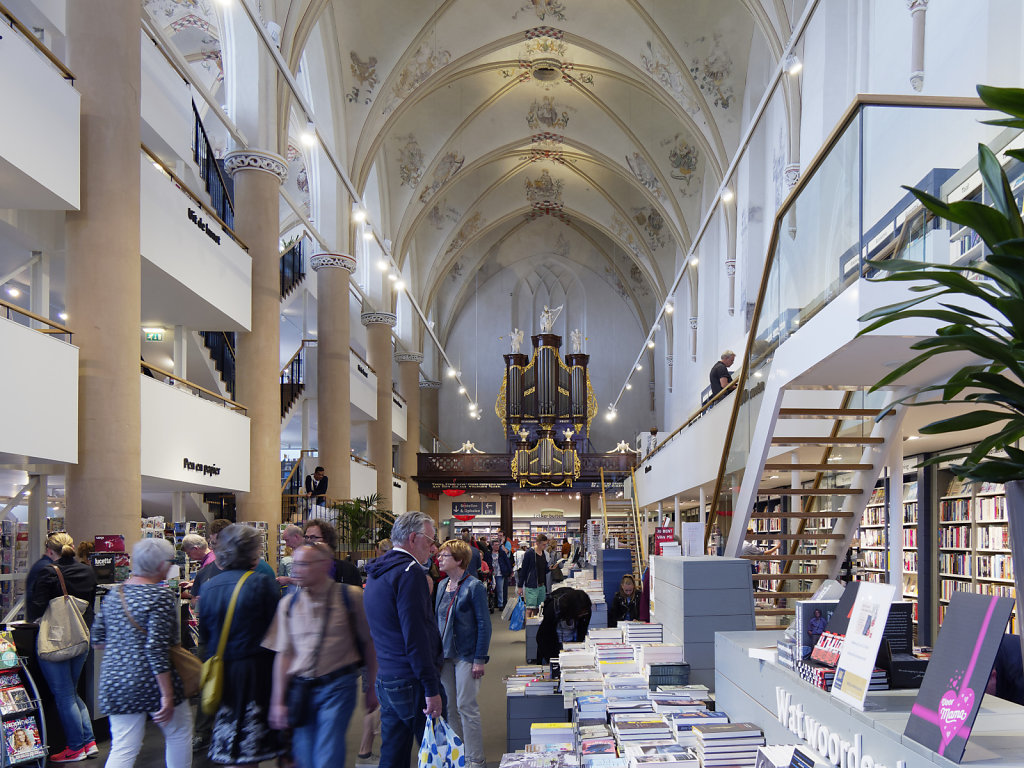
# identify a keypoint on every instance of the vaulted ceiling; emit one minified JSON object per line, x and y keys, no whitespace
{"x":480,"y":122}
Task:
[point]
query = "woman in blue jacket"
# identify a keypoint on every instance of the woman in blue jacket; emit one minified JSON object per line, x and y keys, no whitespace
{"x":464,"y":623}
{"x":501,"y":568}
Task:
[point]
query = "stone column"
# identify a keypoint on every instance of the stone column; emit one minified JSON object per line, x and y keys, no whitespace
{"x":104,"y":271}
{"x":506,"y":514}
{"x":917,"y":9}
{"x":378,"y":348}
{"x":409,"y":386}
{"x":258,"y":177}
{"x":429,"y":392}
{"x":333,"y":386}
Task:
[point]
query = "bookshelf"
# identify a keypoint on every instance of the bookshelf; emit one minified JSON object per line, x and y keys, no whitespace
{"x":974,"y":544}
{"x":870,"y":559}
{"x":909,"y":569}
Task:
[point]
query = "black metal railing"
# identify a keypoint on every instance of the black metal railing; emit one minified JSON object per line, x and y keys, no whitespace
{"x":293,"y":380}
{"x":210,"y":171}
{"x":293,"y":266}
{"x":222,"y":351}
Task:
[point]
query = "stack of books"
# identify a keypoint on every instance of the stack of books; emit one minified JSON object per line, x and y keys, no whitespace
{"x":590,"y":708}
{"x":661,"y":653}
{"x":817,"y":674}
{"x":728,"y":744}
{"x":598,"y":745}
{"x":641,"y":728}
{"x":593,"y":732}
{"x":670,"y":756}
{"x":670,"y":703}
{"x":787,"y":652}
{"x":598,"y":635}
{"x":551,"y":733}
{"x":663,"y":674}
{"x":683,"y":723}
{"x":641,"y":632}
{"x":531,"y":760}
{"x":580,"y":682}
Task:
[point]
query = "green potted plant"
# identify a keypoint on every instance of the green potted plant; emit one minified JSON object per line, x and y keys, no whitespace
{"x":995,"y":336}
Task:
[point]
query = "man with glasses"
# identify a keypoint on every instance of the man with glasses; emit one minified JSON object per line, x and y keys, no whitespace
{"x":321,"y":639}
{"x":322,"y":532}
{"x":405,"y":636}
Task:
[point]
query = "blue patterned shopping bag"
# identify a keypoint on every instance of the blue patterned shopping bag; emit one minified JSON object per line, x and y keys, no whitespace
{"x":441,"y":747}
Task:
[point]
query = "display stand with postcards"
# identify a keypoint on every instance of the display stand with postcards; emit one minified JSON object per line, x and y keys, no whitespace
{"x":21,"y":718}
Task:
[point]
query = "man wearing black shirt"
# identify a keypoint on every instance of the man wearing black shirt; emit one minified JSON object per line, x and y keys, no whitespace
{"x":720,"y":376}
{"x":316,"y":487}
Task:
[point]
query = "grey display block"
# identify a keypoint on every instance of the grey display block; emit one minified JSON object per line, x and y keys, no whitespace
{"x":531,"y":640}
{"x":695,"y":597}
{"x":521,"y":711}
{"x":746,"y":689}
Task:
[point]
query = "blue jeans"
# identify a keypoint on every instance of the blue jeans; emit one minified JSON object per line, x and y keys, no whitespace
{"x":401,"y":718}
{"x":321,"y":743}
{"x":62,"y":678}
{"x":500,"y":584}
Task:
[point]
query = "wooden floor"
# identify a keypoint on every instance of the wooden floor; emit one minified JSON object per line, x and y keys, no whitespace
{"x":507,"y":650}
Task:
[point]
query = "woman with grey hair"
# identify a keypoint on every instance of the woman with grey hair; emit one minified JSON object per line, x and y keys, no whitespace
{"x":241,"y":735}
{"x":136,"y":628}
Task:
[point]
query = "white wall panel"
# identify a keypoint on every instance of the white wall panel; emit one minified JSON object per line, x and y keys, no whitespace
{"x":363,"y":387}
{"x":38,"y":396}
{"x":179,"y":426}
{"x":40,"y":161}
{"x":188,"y":277}
{"x":364,"y":480}
{"x":166,"y":104}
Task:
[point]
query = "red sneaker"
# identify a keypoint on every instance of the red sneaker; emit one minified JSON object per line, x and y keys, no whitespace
{"x":91,"y":750}
{"x":70,"y":755}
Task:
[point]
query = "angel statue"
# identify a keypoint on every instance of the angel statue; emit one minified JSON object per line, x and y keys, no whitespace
{"x":548,"y":317}
{"x":468,"y":447}
{"x":517,"y":340}
{"x":577,"y":341}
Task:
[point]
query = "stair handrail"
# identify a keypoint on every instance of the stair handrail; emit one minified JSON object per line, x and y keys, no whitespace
{"x":806,"y":176}
{"x":194,"y":197}
{"x":362,"y":359}
{"x":302,"y":345}
{"x":211,"y":160}
{"x":227,"y":401}
{"x":14,"y":23}
{"x":55,"y":328}
{"x":639,"y":538}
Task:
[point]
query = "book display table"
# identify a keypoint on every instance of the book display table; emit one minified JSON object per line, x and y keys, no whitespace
{"x":752,"y":689}
{"x":522,"y":711}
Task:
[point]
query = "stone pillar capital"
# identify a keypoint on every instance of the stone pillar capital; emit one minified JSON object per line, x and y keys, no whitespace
{"x":253,"y":160}
{"x":383,"y":318}
{"x":408,"y":357}
{"x":917,"y":5}
{"x":333,"y":260}
{"x":791,"y":174}
{"x":693,"y":323}
{"x":430,"y":385}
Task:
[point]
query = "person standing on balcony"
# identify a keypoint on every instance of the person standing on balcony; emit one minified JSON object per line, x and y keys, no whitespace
{"x":316,"y":488}
{"x":720,"y":376}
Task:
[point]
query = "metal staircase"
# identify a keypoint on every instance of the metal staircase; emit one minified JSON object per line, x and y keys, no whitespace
{"x":622,"y":521}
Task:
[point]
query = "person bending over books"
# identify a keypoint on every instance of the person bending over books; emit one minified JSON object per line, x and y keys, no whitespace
{"x":566,"y":619}
{"x":626,"y":603}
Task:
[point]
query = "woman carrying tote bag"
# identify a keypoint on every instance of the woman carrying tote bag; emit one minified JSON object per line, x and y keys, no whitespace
{"x":62,"y":676}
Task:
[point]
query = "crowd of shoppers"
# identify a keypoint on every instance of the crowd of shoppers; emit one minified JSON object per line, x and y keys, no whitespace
{"x":301,"y":646}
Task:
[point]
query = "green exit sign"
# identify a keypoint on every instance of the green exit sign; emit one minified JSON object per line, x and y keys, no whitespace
{"x":154,"y":335}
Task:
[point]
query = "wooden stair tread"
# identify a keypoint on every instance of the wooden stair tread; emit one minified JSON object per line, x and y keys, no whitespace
{"x":828,"y":440}
{"x":809,"y":491}
{"x":818,"y":467}
{"x":758,"y":611}
{"x":818,"y":413}
{"x":768,"y":536}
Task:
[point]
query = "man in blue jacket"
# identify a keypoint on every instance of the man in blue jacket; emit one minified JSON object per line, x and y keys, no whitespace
{"x":405,"y":637}
{"x":501,"y":569}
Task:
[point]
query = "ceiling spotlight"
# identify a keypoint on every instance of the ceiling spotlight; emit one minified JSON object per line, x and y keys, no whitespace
{"x":793,"y":65}
{"x":694,"y":261}
{"x":628,"y":385}
{"x":392,"y":276}
{"x":727,"y":195}
{"x":358,"y":213}
{"x":308,"y":136}
{"x":383,"y":265}
{"x":399,"y":285}
{"x":368,"y":234}
{"x":669,"y":308}
{"x":610,"y":415}
{"x":452,"y":373}
{"x":639,"y":367}
{"x":462,"y":390}
{"x":62,"y":315}
{"x":13,"y":292}
{"x":650,"y":343}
